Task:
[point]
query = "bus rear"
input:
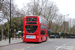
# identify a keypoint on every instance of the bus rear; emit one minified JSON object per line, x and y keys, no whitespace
{"x":31,"y":29}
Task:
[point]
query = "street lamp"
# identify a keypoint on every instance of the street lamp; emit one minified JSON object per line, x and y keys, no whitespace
{"x":65,"y":22}
{"x":10,"y":24}
{"x":1,"y":2}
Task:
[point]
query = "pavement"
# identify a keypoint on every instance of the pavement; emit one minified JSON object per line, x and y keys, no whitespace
{"x":13,"y":41}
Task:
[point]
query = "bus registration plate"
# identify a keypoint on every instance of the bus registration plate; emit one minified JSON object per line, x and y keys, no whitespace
{"x":31,"y":36}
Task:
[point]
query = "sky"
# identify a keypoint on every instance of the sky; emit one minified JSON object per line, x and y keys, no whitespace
{"x":65,"y":6}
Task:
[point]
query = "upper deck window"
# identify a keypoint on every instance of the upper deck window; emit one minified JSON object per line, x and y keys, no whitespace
{"x":43,"y":21}
{"x":31,"y":19}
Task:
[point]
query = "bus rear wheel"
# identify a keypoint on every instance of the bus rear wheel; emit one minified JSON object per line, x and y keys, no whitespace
{"x":46,"y":38}
{"x":41,"y":40}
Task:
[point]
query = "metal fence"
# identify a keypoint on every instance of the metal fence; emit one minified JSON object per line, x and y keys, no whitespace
{"x":14,"y":34}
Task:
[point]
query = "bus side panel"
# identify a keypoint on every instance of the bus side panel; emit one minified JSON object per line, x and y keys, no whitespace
{"x":44,"y":37}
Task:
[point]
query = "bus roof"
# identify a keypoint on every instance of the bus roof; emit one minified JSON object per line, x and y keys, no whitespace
{"x":32,"y":15}
{"x":37,"y":16}
{"x":44,"y":19}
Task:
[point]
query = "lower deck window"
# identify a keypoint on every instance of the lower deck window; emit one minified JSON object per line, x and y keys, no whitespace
{"x":42,"y":32}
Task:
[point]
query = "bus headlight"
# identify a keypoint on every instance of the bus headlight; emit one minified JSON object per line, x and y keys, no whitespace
{"x":25,"y":22}
{"x":23,"y":31}
{"x":23,"y":36}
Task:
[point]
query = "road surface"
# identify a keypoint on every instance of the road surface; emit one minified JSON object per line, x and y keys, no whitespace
{"x":51,"y":44}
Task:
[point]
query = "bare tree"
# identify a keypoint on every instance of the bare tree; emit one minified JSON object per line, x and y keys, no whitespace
{"x":43,"y":8}
{"x":58,"y":20}
{"x":72,"y":28}
{"x":6,"y":11}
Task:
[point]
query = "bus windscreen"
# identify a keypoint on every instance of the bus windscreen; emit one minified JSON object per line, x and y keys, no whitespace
{"x":31,"y":28}
{"x":31,"y":19}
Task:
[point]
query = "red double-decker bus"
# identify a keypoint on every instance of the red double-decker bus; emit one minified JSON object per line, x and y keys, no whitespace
{"x":35,"y":29}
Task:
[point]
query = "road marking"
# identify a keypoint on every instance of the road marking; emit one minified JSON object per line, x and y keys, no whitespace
{"x":58,"y":47}
{"x":36,"y":44}
{"x":32,"y":45}
{"x":65,"y":47}
{"x":23,"y":49}
{"x":19,"y":49}
{"x":28,"y":47}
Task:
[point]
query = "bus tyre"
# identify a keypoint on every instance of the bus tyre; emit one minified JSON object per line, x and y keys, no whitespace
{"x":46,"y":38}
{"x":41,"y":40}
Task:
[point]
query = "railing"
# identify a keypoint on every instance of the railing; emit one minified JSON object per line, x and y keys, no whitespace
{"x":4,"y":35}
